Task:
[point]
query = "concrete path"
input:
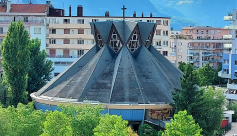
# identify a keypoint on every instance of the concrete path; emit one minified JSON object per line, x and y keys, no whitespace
{"x":233,"y":129}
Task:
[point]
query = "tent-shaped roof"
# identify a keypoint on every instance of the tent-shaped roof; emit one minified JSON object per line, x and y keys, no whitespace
{"x":143,"y":76}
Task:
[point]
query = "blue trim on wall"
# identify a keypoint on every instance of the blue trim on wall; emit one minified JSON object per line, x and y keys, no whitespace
{"x":233,"y":66}
{"x":129,"y":115}
{"x":225,"y":57}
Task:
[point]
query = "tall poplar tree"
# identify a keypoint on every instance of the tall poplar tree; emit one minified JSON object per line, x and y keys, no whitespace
{"x":15,"y":62}
{"x":40,"y":67}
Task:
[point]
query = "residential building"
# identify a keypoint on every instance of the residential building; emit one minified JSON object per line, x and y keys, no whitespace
{"x":201,"y":45}
{"x":229,"y":67}
{"x":70,"y":37}
{"x":32,"y":15}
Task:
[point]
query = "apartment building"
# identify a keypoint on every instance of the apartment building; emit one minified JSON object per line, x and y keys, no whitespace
{"x":201,"y":45}
{"x":229,"y":67}
{"x":32,"y":15}
{"x":70,"y":37}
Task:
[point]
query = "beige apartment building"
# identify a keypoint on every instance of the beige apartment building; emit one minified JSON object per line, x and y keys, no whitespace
{"x":201,"y":45}
{"x":70,"y":37}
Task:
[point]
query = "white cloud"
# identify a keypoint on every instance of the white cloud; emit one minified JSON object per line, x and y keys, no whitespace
{"x":184,"y":2}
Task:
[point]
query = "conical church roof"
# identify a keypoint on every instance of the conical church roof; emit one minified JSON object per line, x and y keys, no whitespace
{"x":123,"y":67}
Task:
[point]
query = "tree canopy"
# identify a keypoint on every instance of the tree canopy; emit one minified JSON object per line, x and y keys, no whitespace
{"x":40,"y":68}
{"x":182,"y":125}
{"x":16,"y":62}
{"x":206,"y":75}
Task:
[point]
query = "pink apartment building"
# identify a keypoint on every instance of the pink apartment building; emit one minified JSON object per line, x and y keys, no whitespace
{"x":202,"y":45}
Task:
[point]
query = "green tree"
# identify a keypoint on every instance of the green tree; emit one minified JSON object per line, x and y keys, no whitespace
{"x":111,"y":125}
{"x":182,"y":66}
{"x":15,"y":62}
{"x":21,"y":121}
{"x":57,"y":124}
{"x":233,"y":106}
{"x":217,"y":79}
{"x":208,"y":110}
{"x":184,"y":97}
{"x":182,"y":125}
{"x":40,"y":67}
{"x":83,"y":118}
{"x":206,"y":75}
{"x":147,"y":130}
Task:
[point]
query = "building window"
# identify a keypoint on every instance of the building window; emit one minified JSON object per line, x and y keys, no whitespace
{"x":150,"y":20}
{"x":80,"y":31}
{"x":235,"y":62}
{"x":25,"y":19}
{"x":199,"y":37}
{"x":165,"y":32}
{"x":52,"y":20}
{"x":179,"y":43}
{"x":66,"y":31}
{"x":52,"y":41}
{"x":165,"y":53}
{"x":226,"y":61}
{"x":158,"y":32}
{"x":95,"y":20}
{"x":92,"y":41}
{"x":1,"y":30}
{"x":66,"y":21}
{"x":52,"y":31}
{"x":37,"y":30}
{"x":109,"y":19}
{"x":219,"y":31}
{"x":235,"y":33}
{"x":165,"y":22}
{"x":1,"y":40}
{"x":212,"y":32}
{"x":165,"y":43}
{"x":80,"y":41}
{"x":158,"y":22}
{"x":80,"y":21}
{"x":55,"y":74}
{"x":180,"y":50}
{"x":66,"y":41}
{"x":80,"y":53}
{"x":158,"y":43}
{"x":180,"y":56}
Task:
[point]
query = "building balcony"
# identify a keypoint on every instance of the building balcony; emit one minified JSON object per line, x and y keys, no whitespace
{"x":224,"y":75}
{"x":28,"y":22}
{"x":231,"y":27}
{"x":63,"y":26}
{"x":231,"y":96}
{"x":227,"y":45}
{"x":62,"y":56}
{"x":232,"y":86}
{"x":228,"y":18}
{"x":69,"y":46}
{"x":227,"y":36}
{"x":158,"y":47}
{"x":71,"y":36}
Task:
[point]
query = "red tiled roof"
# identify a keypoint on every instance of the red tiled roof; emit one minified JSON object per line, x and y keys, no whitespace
{"x":25,"y":8}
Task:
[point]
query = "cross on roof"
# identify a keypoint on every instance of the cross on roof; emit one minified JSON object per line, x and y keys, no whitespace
{"x":123,"y":11}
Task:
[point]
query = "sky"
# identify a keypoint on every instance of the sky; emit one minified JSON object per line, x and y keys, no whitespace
{"x":182,"y":12}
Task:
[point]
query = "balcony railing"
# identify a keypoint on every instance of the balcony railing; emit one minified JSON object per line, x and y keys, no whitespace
{"x":228,"y":18}
{"x":63,"y":56}
{"x":227,"y":45}
{"x":223,"y":75}
{"x":227,"y":36}
{"x":25,"y":22}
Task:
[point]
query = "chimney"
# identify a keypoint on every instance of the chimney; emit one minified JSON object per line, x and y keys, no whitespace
{"x":107,"y":14}
{"x":151,"y":14}
{"x":142,"y":14}
{"x":8,"y":6}
{"x":171,"y":28}
{"x":79,"y":11}
{"x":70,"y":11}
{"x":134,"y":14}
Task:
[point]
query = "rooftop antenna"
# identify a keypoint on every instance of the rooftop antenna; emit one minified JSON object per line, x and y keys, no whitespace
{"x":63,"y":6}
{"x":123,"y":11}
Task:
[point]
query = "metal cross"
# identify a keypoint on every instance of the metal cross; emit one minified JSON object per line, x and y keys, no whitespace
{"x":123,"y":11}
